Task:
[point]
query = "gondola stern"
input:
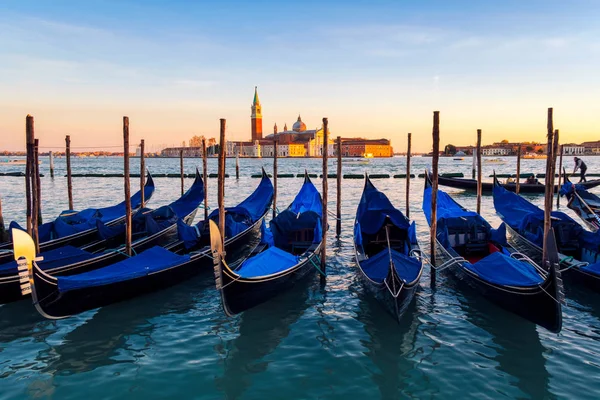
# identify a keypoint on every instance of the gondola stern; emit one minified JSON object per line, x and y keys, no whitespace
{"x":553,"y":284}
{"x":428,"y":182}
{"x":221,"y":279}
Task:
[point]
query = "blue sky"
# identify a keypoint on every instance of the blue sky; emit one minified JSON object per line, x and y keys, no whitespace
{"x":375,"y":69}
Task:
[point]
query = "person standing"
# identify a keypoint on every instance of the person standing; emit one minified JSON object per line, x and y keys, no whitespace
{"x":579,"y":164}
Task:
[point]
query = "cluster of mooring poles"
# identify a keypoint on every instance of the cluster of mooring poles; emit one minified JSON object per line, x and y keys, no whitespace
{"x":33,"y":187}
{"x":33,"y":192}
{"x":552,"y":152}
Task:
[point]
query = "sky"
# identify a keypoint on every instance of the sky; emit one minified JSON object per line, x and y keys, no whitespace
{"x":373,"y":68}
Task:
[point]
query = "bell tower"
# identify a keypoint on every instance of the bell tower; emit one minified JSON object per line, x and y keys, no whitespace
{"x":256,"y":117}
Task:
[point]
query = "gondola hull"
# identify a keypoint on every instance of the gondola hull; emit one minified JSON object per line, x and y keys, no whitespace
{"x":82,"y":238}
{"x":240,"y":294}
{"x":10,"y":289}
{"x":395,"y":306}
{"x":54,"y":305}
{"x":571,"y":272}
{"x":487,"y":187}
{"x":538,"y":304}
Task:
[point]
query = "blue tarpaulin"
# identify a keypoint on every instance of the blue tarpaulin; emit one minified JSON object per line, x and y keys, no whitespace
{"x":52,"y":259}
{"x":374,"y":207}
{"x":268,"y":262}
{"x":304,"y":213}
{"x":501,"y":269}
{"x":190,"y":200}
{"x":592,"y":268}
{"x":237,"y":219}
{"x":452,"y":217}
{"x":152,"y":260}
{"x":71,"y":222}
{"x":377,"y":267}
{"x":528,"y":220}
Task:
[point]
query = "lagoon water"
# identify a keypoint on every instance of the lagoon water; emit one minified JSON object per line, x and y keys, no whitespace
{"x":320,"y":341}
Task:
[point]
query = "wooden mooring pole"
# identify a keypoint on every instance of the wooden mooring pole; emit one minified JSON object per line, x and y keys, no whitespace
{"x":338,"y":177}
{"x":29,"y":137}
{"x":554,"y":157}
{"x":3,"y":233}
{"x":434,"y":191}
{"x":51,"y":156}
{"x":221,"y":183}
{"x":237,"y":165}
{"x":181,"y":169}
{"x":126,"y":186}
{"x":36,"y":196}
{"x":142,"y":173}
{"x":324,"y":194}
{"x":560,"y":175}
{"x":69,"y":177}
{"x":205,"y":178}
{"x":38,"y":182}
{"x":518,"y":169}
{"x":479,"y":171}
{"x":408,"y":175}
{"x":274,"y":178}
{"x":549,"y":194}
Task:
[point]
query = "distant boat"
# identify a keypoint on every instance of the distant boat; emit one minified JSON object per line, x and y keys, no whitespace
{"x":494,"y":160}
{"x":535,"y":156}
{"x":368,"y":155}
{"x":458,"y":159}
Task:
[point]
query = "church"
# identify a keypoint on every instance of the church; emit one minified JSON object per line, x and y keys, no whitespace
{"x":297,"y":142}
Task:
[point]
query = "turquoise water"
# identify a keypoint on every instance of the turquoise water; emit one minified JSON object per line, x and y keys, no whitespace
{"x":323,"y":340}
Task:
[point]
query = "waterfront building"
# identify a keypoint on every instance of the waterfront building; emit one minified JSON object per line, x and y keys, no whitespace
{"x":573,"y":149}
{"x":592,"y":148}
{"x":358,"y":147}
{"x":496,"y":151}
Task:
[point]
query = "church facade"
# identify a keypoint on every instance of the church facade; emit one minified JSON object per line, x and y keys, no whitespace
{"x":300,"y":141}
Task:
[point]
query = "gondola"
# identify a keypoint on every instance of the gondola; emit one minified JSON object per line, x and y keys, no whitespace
{"x":78,"y":228}
{"x":288,"y":252}
{"x":481,"y":257}
{"x":151,"y":270}
{"x":487,"y":187}
{"x":386,"y":250}
{"x":579,"y":250}
{"x":585,"y":204}
{"x":149,"y":228}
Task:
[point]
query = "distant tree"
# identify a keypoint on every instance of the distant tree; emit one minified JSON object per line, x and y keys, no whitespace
{"x":529,"y":149}
{"x":450,"y":150}
{"x":540,"y":151}
{"x":504,"y":141}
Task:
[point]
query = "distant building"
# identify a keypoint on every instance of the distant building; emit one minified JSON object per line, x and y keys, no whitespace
{"x":358,"y":147}
{"x":573,"y":149}
{"x":300,"y":141}
{"x":592,"y":148}
{"x":187,"y":152}
{"x":496,"y":151}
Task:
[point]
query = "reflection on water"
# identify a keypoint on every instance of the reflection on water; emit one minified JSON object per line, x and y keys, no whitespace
{"x":261,"y":330}
{"x":320,"y":340}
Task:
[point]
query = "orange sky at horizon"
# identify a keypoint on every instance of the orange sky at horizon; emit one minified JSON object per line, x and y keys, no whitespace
{"x":100,"y":126}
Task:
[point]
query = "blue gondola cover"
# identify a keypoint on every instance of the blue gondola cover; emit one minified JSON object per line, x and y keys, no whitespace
{"x":377,"y":266}
{"x":52,"y":259}
{"x":70,"y":222}
{"x":152,"y":260}
{"x":528,"y":220}
{"x":501,"y":269}
{"x":268,"y":262}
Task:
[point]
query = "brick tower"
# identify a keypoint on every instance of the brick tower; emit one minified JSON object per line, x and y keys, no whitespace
{"x":256,"y":117}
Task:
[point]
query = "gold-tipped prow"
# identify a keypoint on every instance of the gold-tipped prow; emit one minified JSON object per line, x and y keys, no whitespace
{"x":24,"y":253}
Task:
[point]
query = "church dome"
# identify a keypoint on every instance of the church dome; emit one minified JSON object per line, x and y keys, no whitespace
{"x":299,"y":126}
